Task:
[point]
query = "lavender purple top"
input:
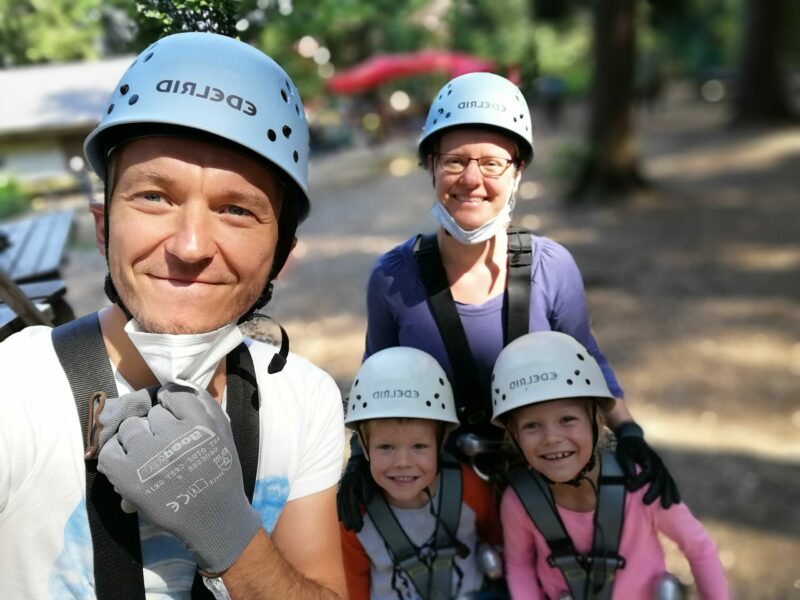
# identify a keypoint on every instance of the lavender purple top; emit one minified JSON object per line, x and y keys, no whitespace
{"x":398,"y":313}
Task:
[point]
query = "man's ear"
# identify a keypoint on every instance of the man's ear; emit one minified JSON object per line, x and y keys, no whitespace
{"x":98,"y":213}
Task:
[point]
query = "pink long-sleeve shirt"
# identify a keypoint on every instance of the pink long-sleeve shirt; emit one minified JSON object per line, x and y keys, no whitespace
{"x":526,"y":551}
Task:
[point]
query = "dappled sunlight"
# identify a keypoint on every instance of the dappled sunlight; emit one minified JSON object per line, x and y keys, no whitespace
{"x":753,"y":257}
{"x":745,"y":154}
{"x":335,"y":342}
{"x":332,"y":246}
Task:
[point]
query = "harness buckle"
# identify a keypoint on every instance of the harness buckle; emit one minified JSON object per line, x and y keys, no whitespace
{"x":571,"y":565}
{"x":96,"y":403}
{"x":413,"y":566}
{"x":444,"y":558}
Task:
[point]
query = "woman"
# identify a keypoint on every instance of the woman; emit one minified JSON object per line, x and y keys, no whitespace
{"x":448,"y":295}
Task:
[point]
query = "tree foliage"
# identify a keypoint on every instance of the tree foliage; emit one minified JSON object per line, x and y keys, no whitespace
{"x":36,"y":31}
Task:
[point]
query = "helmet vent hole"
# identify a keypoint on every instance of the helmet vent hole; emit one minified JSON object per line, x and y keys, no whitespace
{"x":515,"y":119}
{"x":580,"y":356}
{"x":133,"y":99}
{"x":436,"y":395}
{"x":110,"y":108}
{"x":449,"y":92}
{"x":297,"y":109}
{"x":440,"y":96}
{"x":495,"y":401}
{"x":569,"y":381}
{"x":588,"y":382}
{"x":435,"y":121}
{"x":441,"y":110}
{"x":295,"y":156}
{"x":358,"y":396}
{"x":577,"y":372}
{"x":364,"y":405}
{"x":287,"y":131}
{"x":355,"y":383}
{"x":447,"y":116}
{"x":441,"y":381}
{"x":148,"y":57}
{"x":427,"y":402}
{"x":288,"y":86}
{"x":285,"y":96}
{"x":496,"y":391}
{"x":503,"y":397}
{"x":124,"y":89}
{"x":354,"y":407}
{"x":443,"y":406}
{"x":271,"y":135}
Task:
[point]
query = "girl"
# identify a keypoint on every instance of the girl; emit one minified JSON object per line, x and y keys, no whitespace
{"x":559,"y":539}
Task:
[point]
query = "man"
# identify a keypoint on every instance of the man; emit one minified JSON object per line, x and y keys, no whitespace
{"x":204,"y":152}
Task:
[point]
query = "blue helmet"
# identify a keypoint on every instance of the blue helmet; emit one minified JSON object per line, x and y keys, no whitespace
{"x":479,"y":100}
{"x":216,"y":86}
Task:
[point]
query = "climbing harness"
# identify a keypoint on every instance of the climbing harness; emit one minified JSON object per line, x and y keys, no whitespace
{"x":115,"y":534}
{"x":588,"y":576}
{"x":432,"y":576}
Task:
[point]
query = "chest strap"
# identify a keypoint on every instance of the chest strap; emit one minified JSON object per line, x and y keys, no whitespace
{"x":115,"y":534}
{"x":471,"y":399}
{"x":433,"y":579}
{"x":587,"y":576}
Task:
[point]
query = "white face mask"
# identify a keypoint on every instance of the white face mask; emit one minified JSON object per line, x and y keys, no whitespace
{"x":188,"y":359}
{"x":480,"y":234}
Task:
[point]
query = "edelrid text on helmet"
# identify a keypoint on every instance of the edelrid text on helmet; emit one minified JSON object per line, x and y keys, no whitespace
{"x":479,"y":100}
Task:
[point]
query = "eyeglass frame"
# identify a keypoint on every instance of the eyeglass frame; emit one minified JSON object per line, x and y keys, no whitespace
{"x":509,"y":161}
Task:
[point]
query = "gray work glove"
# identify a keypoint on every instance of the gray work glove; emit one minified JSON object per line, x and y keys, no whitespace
{"x":113,"y":411}
{"x":179,"y":468}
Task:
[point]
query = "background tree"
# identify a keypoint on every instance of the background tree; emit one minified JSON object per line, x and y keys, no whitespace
{"x":610,"y":167}
{"x":762,"y":94}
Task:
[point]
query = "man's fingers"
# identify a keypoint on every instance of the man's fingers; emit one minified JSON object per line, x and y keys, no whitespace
{"x":131,"y":429}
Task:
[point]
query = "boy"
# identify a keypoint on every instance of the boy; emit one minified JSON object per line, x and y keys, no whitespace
{"x":426,"y":515}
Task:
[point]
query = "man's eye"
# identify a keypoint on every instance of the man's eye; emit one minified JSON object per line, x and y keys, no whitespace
{"x":237,"y":211}
{"x":453,"y":160}
{"x":152,"y":196}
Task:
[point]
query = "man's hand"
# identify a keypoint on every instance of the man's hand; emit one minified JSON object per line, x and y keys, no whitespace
{"x":113,"y":411}
{"x":179,"y":468}
{"x":633,"y":450}
{"x":355,"y":488}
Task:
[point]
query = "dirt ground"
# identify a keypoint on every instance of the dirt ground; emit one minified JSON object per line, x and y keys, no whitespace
{"x":693,"y":287}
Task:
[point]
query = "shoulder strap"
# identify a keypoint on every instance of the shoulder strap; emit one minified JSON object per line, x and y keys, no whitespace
{"x":115,"y":534}
{"x":534,"y":493}
{"x":432,"y":582}
{"x":470,"y":401}
{"x":609,"y":518}
{"x":449,"y":514}
{"x":520,"y":261}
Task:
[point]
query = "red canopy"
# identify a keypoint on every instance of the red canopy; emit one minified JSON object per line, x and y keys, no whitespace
{"x":387,"y":67}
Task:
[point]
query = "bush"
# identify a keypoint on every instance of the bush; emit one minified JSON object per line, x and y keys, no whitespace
{"x":12,"y":199}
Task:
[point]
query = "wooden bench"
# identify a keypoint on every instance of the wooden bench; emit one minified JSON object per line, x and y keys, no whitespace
{"x":31,"y":254}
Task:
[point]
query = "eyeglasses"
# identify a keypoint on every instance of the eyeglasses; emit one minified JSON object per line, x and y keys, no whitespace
{"x":489,"y":166}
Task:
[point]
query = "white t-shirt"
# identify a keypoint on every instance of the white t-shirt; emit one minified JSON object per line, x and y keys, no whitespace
{"x":45,"y":543}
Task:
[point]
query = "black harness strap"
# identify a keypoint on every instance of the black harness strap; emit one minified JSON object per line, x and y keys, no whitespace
{"x":587,"y":576}
{"x":472,"y":401}
{"x":520,"y":262}
{"x":470,"y":404}
{"x":115,"y":534}
{"x":432,"y":582}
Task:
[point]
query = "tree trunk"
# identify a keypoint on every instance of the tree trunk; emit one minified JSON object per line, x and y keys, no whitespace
{"x":762,"y":96}
{"x":611,"y":167}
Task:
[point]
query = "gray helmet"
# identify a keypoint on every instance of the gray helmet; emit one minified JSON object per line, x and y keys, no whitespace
{"x":479,"y":100}
{"x":543,"y":366}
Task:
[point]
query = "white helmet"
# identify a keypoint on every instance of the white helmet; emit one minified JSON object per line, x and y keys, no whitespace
{"x":401,"y":382}
{"x":543,"y":366}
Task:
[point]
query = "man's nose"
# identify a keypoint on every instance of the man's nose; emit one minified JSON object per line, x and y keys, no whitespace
{"x":192,"y":239}
{"x":471,"y":175}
